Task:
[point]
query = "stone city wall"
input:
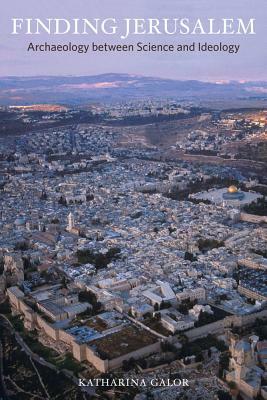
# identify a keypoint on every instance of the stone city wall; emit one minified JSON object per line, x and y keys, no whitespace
{"x":229,"y":321}
{"x":47,"y":328}
{"x":256,"y":219}
{"x":143,"y":352}
{"x":65,"y":337}
{"x":98,"y":363}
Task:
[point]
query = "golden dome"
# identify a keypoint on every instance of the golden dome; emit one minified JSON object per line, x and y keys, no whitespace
{"x":232,"y":189}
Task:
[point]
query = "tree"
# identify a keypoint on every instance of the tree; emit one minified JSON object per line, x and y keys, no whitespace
{"x":2,"y":264}
{"x":26,"y":263}
{"x":223,"y":363}
{"x":147,"y":315}
{"x":204,"y":319}
{"x":165,"y":304}
{"x":169,"y":348}
{"x":157,"y":316}
{"x":189,"y":256}
{"x":142,"y":363}
{"x":209,"y":244}
{"x":99,"y":260}
{"x":222,"y":395}
{"x":128,"y":364}
{"x":130,"y":313}
{"x":23,"y":246}
{"x":258,"y":207}
{"x":199,"y":357}
{"x":64,"y":282}
{"x":90,"y":297}
{"x":171,"y":230}
{"x":55,"y":221}
{"x":62,"y":201}
{"x":43,"y":196}
{"x":86,"y":313}
{"x":232,"y":385}
{"x":5,"y":307}
{"x":186,"y":305}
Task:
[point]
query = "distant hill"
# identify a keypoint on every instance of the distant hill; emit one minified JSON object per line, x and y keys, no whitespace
{"x":78,"y":90}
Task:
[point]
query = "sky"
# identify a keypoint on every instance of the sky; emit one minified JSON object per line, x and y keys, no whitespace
{"x":248,"y":64}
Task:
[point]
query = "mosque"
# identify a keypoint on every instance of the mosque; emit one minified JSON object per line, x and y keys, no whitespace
{"x":233,"y":194}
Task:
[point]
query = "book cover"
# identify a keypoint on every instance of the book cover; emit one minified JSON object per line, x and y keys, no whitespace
{"x":133,"y":160}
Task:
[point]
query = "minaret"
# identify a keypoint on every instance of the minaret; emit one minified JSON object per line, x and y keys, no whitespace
{"x":39,"y":226}
{"x":70,"y":222}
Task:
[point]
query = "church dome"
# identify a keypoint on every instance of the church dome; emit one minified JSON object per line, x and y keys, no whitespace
{"x":19,"y":221}
{"x":243,"y":346}
{"x":232,"y":189}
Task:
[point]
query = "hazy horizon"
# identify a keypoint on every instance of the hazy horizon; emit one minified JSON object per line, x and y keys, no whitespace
{"x":222,"y":81}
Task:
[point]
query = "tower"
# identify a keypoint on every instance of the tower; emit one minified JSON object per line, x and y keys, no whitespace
{"x":39,"y":226}
{"x":70,"y":222}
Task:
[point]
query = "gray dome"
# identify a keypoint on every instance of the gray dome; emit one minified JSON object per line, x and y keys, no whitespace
{"x":243,"y":346}
{"x":19,"y":221}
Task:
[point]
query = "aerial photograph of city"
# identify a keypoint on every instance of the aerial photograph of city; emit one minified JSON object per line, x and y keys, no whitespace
{"x":133,"y":207}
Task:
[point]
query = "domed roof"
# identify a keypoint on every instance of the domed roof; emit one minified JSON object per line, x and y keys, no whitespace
{"x":232,"y":189}
{"x":19,"y":221}
{"x":243,"y":345}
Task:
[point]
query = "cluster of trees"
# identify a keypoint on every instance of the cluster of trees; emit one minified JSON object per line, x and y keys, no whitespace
{"x":168,"y":347}
{"x":262,"y":253}
{"x":10,"y":124}
{"x":200,"y":184}
{"x":186,"y":305}
{"x":91,"y":298}
{"x":1,"y":265}
{"x":55,"y":221}
{"x":222,"y":395}
{"x":261,"y":329}
{"x":203,"y":152}
{"x":198,"y":201}
{"x":258,"y":207}
{"x":127,"y":365}
{"x":190,"y":256}
{"x":89,"y":197}
{"x":209,"y":244}
{"x":22,"y":246}
{"x":17,"y":323}
{"x":260,"y":189}
{"x":62,"y":201}
{"x":70,"y":363}
{"x":196,"y":347}
{"x":255,"y":153}
{"x":204,"y":319}
{"x":223,"y":363}
{"x":99,"y":260}
{"x":38,"y":348}
{"x":164,"y":304}
{"x":5,"y":307}
{"x":43,"y":196}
